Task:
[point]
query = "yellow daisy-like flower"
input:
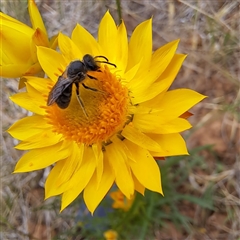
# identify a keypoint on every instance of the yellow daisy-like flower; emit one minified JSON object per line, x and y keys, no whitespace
{"x":110,"y":235}
{"x":129,"y":120}
{"x":18,"y":44}
{"x":120,"y":201}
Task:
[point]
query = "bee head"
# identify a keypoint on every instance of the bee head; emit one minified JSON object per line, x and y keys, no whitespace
{"x":90,"y":63}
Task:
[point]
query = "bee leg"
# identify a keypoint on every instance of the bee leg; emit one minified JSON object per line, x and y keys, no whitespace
{"x":91,"y":77}
{"x":80,"y":100}
{"x":92,"y":89}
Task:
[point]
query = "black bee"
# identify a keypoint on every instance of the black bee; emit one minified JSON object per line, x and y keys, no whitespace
{"x":75,"y":73}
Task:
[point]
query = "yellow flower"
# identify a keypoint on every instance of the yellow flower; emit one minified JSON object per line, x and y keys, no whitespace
{"x":120,"y":202}
{"x":130,"y":119}
{"x":110,"y":235}
{"x":18,"y":44}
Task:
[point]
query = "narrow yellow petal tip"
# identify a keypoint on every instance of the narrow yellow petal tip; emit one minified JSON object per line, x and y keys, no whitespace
{"x":35,"y":16}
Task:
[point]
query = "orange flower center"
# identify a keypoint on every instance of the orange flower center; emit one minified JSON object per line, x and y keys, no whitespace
{"x":107,"y":110}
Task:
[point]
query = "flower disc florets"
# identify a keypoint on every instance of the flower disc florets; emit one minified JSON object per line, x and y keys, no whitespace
{"x":107,"y":110}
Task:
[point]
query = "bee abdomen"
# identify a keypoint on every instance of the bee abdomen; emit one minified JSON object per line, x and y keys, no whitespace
{"x":65,"y":98}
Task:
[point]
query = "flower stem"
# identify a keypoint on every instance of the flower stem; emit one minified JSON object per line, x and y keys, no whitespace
{"x":119,"y":9}
{"x":143,"y":232}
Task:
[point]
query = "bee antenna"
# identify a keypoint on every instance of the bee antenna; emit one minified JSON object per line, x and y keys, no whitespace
{"x":107,"y":63}
{"x":101,"y":57}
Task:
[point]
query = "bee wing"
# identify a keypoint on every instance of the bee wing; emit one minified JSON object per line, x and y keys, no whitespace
{"x":58,"y":89}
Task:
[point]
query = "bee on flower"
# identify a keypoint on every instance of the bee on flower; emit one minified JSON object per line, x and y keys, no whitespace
{"x":118,"y":117}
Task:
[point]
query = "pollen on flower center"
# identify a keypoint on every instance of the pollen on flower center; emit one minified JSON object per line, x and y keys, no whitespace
{"x":107,"y":110}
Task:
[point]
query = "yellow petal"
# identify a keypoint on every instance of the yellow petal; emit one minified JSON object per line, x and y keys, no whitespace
{"x":94,"y":191}
{"x":173,"y":68}
{"x":33,"y":69}
{"x":174,"y":126}
{"x":151,"y":123}
{"x":97,"y":150}
{"x":40,"y":84}
{"x":36,"y":96}
{"x":107,"y":37}
{"x":86,"y":42}
{"x":51,"y":62}
{"x":145,"y":113}
{"x":138,"y":186}
{"x":140,"y":139}
{"x":172,"y":145}
{"x":68,"y":48}
{"x":39,"y":38}
{"x":159,"y":62}
{"x":24,"y":100}
{"x":161,"y":85}
{"x":44,"y":139}
{"x":35,"y":16}
{"x":54,"y":41}
{"x":21,"y":83}
{"x":145,"y":168}
{"x":80,"y":179}
{"x":52,"y":188}
{"x":9,"y":21}
{"x":40,"y":158}
{"x":144,"y":110}
{"x":13,"y":70}
{"x":140,"y":46}
{"x":161,"y":58}
{"x":178,"y":101}
{"x":27,"y":127}
{"x":122,"y":49}
{"x":130,"y":74}
{"x":119,"y":163}
{"x":19,"y":53}
{"x":142,"y":95}
{"x":12,"y":23}
{"x":72,"y":164}
{"x":4,"y":60}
